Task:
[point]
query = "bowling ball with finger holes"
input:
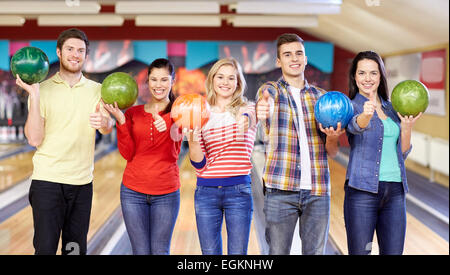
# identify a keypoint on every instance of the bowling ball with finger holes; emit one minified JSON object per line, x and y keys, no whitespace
{"x":190,"y":111}
{"x":31,"y":64}
{"x":121,"y":88}
{"x":410,"y":97}
{"x":333,"y":107}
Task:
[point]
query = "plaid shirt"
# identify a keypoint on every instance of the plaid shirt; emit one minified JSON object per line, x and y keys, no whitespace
{"x":282,"y":167}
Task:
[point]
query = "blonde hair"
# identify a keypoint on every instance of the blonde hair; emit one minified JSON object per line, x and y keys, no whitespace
{"x":238,"y":99}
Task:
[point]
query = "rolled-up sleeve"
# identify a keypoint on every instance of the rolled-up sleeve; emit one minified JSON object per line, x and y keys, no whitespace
{"x":354,"y":128}
{"x":405,"y":154}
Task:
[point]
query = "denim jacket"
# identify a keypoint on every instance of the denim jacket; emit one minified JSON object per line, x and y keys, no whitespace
{"x":366,"y":144}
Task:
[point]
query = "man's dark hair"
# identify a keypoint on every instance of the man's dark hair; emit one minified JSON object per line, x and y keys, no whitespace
{"x":287,"y":38}
{"x":72,"y":33}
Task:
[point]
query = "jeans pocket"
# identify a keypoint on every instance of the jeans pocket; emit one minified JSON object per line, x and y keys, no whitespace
{"x":245,"y":189}
{"x":198,"y":191}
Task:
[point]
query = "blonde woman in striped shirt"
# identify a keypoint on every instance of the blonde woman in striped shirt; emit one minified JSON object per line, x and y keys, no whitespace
{"x":221,"y":152}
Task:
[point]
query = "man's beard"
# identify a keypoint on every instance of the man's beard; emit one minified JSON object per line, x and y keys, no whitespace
{"x":69,"y":68}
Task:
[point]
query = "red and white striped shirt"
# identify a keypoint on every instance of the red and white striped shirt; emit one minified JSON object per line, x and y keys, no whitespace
{"x":227,"y":149}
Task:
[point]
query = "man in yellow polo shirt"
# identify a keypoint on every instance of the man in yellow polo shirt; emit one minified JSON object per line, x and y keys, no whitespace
{"x":64,"y":112}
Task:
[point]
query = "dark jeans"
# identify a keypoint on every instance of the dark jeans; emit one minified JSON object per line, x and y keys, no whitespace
{"x":60,"y":208}
{"x":149,"y":220}
{"x":385,"y":212}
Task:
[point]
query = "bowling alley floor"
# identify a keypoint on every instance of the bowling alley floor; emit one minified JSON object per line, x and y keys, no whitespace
{"x":427,"y":206}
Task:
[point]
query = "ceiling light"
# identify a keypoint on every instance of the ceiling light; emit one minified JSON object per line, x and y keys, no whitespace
{"x":80,"y":20}
{"x":11,"y":20}
{"x":178,"y":20}
{"x":306,"y":7}
{"x":168,"y":7}
{"x":49,"y":7}
{"x":268,"y":21}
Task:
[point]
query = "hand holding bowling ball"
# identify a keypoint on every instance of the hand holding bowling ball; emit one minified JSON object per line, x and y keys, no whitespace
{"x":32,"y":89}
{"x":410,"y":97}
{"x":332,"y":133}
{"x":333,"y":107}
{"x":407,"y":122}
{"x":31,"y":64}
{"x":190,"y":111}
{"x":121,"y":88}
{"x":114,"y":110}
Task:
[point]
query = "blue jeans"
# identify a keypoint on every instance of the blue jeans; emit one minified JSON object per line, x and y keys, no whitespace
{"x":282,"y":210}
{"x":211,"y":204}
{"x":149,"y":220}
{"x":385,"y":212}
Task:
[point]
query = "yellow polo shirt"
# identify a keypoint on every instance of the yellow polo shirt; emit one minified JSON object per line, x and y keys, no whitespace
{"x":66,"y":154}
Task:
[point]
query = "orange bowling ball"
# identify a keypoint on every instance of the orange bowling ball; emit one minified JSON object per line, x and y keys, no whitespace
{"x":190,"y":111}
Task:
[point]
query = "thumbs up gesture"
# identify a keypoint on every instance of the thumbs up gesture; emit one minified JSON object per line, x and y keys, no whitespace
{"x":243,"y":121}
{"x":370,"y":105}
{"x":369,"y":108}
{"x":263,"y":106}
{"x":97,"y":120}
{"x":159,"y":123}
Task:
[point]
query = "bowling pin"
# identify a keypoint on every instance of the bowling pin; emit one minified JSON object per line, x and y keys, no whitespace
{"x":2,"y":102}
{"x":11,"y":133}
{"x":20,"y":135}
{"x":3,"y":134}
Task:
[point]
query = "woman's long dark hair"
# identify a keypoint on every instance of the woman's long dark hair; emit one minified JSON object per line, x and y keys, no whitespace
{"x":353,"y":88}
{"x":166,"y":64}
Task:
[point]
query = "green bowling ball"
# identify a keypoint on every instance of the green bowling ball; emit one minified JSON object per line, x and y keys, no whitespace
{"x":121,"y":88}
{"x":31,"y":64}
{"x":410,"y":97}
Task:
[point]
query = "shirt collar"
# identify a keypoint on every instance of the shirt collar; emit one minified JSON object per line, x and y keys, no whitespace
{"x":57,"y":79}
{"x":286,"y":84}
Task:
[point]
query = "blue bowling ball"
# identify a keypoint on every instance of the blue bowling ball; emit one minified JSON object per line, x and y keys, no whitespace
{"x":333,"y":107}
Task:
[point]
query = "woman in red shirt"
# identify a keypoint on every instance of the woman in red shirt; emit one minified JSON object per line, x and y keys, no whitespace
{"x":149,"y":194}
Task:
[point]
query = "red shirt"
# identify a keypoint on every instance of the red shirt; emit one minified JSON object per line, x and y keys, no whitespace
{"x":151,"y":155}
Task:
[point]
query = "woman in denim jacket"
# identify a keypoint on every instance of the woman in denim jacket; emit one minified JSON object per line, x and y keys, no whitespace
{"x":375,"y":184}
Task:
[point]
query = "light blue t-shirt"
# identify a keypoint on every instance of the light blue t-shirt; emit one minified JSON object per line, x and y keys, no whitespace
{"x":389,"y":168}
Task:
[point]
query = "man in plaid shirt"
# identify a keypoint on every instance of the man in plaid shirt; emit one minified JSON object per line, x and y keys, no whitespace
{"x":296,"y":176}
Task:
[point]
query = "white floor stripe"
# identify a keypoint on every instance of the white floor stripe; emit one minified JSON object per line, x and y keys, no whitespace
{"x":14,"y":193}
{"x":427,"y":208}
{"x":114,"y":240}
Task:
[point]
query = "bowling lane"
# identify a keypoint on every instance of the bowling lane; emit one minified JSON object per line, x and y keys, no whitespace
{"x":4,"y":148}
{"x":108,"y":173}
{"x":15,"y":169}
{"x":16,"y":233}
{"x":420,"y":240}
